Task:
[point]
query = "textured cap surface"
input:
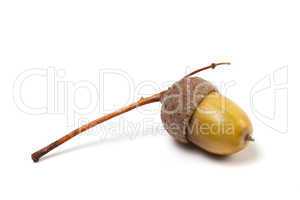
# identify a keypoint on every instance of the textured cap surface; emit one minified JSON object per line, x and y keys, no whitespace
{"x":179,"y":103}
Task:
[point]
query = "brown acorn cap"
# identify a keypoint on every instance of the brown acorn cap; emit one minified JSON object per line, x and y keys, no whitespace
{"x":179,"y":103}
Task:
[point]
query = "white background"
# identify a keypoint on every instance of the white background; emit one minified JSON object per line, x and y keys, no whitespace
{"x":155,"y":41}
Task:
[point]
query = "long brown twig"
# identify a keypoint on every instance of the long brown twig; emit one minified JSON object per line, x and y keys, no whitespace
{"x":142,"y":101}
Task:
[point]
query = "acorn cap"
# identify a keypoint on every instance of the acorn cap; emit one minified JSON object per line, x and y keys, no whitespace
{"x":179,"y":103}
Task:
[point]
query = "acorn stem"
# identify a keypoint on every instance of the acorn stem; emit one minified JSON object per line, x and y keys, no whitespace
{"x":142,"y":101}
{"x":213,"y":65}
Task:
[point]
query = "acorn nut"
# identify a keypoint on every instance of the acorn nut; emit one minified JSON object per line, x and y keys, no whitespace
{"x":193,"y":111}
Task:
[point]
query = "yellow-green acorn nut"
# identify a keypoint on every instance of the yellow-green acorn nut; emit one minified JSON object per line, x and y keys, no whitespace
{"x":194,"y":111}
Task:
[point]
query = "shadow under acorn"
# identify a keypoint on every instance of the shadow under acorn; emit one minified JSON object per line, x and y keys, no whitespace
{"x":248,"y":155}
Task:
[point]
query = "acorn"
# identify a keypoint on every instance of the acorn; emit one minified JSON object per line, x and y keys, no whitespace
{"x":193,"y":111}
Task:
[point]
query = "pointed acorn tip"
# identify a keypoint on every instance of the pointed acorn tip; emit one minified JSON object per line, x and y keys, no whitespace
{"x":249,"y":138}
